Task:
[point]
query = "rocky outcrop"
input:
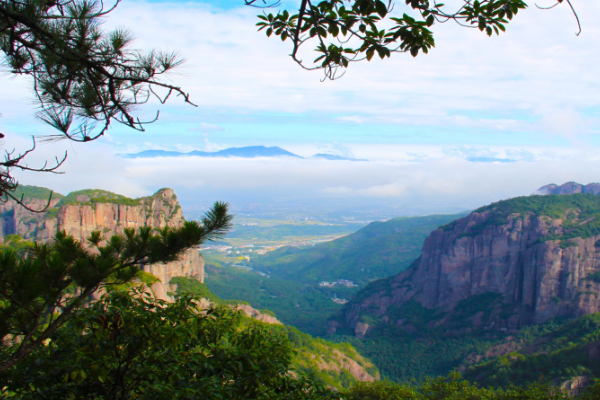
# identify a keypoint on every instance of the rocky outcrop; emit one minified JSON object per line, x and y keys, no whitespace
{"x":81,"y":213}
{"x":257,"y":314}
{"x":569,"y":188}
{"x":488,"y":271}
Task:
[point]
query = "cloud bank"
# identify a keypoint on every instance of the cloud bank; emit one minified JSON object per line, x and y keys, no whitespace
{"x":442,"y":126}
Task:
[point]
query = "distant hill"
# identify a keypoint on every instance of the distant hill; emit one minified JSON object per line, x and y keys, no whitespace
{"x":569,"y":188}
{"x":29,"y":192}
{"x":378,"y":250}
{"x":242,"y":152}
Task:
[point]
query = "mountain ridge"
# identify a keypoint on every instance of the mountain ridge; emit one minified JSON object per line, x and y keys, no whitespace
{"x":240,"y":152}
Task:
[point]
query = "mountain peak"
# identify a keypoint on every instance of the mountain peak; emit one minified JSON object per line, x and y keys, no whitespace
{"x":569,"y":188}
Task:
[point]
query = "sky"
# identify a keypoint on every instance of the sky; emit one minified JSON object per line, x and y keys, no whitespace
{"x":476,"y":120}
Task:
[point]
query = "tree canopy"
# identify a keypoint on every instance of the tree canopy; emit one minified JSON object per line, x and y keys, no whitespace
{"x":40,"y":291}
{"x":347,"y":31}
{"x":84,"y":79}
{"x":129,"y":345}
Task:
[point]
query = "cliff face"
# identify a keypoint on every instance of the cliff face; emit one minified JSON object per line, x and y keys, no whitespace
{"x":81,"y":213}
{"x":487,"y":272}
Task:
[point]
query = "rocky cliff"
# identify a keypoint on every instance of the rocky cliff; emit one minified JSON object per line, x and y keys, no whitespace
{"x":513,"y":263}
{"x":83,"y":212}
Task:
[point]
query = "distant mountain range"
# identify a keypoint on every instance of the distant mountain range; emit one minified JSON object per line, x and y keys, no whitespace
{"x":241,"y":152}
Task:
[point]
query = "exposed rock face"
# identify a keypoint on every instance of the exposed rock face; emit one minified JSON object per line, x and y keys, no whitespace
{"x":569,"y":188}
{"x":495,"y":276}
{"x":19,"y":220}
{"x":341,"y":361}
{"x":256,"y":314}
{"x":81,"y":215}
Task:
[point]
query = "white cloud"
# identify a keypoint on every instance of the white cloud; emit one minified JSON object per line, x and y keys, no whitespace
{"x":538,"y":61}
{"x":446,"y":180}
{"x":536,"y":77}
{"x":205,"y":127}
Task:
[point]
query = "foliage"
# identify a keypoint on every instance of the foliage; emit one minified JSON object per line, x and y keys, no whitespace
{"x":560,"y":354}
{"x":380,"y":390}
{"x":312,"y":356}
{"x":81,"y":75}
{"x":558,"y":350}
{"x":199,"y":289}
{"x":594,"y":276}
{"x":347,"y":31}
{"x":131,"y":345}
{"x":35,"y":192}
{"x":327,"y":362}
{"x":403,"y":357}
{"x":306,"y":307}
{"x":92,"y":196}
{"x":580,"y":213}
{"x":453,"y":387}
{"x":38,"y":293}
{"x":84,"y":78}
{"x":17,"y":244}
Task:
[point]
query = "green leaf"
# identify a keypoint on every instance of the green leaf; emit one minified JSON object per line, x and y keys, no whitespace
{"x":381,"y":8}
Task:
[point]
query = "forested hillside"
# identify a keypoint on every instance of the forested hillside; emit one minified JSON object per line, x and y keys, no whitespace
{"x":337,"y":365}
{"x":503,"y":281}
{"x":378,"y":250}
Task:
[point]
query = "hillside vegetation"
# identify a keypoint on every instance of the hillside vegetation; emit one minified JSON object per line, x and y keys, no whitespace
{"x":331,"y":363}
{"x":378,"y":250}
{"x":35,"y":192}
{"x":580,"y":213}
{"x":91,"y":196}
{"x":558,"y":351}
{"x":306,"y":307}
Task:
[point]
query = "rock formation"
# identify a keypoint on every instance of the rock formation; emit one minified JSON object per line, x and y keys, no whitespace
{"x":494,"y":269}
{"x":81,"y":213}
{"x":569,"y":188}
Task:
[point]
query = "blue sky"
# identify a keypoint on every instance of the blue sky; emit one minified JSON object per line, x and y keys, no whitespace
{"x":532,"y":95}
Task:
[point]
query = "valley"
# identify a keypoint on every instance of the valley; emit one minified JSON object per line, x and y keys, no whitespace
{"x":304,"y":284}
{"x":504,"y":294}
